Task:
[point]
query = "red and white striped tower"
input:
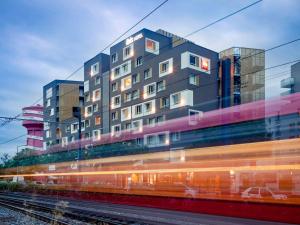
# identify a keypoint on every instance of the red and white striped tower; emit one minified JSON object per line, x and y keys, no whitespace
{"x":33,"y":122}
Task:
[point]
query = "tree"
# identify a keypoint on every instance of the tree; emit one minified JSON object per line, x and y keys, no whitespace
{"x":4,"y":159}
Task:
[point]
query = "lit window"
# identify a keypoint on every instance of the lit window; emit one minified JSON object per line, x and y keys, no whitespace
{"x":97,"y":120}
{"x":114,"y":86}
{"x":126,"y":83}
{"x":94,"y":69}
{"x":96,"y":95}
{"x":126,"y":114}
{"x":114,"y":57}
{"x":97,"y":80}
{"x":166,"y":67}
{"x":128,"y":52}
{"x":116,"y":102}
{"x":135,"y":94}
{"x":194,"y":79}
{"x":161,"y":85}
{"x":135,"y":78}
{"x":147,"y":74}
{"x":152,"y":46}
{"x":139,"y":61}
{"x":205,"y":64}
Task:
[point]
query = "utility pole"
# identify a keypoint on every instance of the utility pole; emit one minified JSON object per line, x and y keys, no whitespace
{"x":17,"y":158}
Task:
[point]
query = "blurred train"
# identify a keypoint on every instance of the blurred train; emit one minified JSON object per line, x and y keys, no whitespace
{"x":240,"y":161}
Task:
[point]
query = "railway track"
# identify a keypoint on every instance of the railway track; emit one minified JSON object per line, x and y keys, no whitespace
{"x":47,"y":208}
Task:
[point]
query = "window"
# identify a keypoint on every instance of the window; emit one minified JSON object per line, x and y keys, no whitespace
{"x":52,"y":112}
{"x":48,"y":135}
{"x":137,"y":125}
{"x":126,"y":83}
{"x":194,"y":79}
{"x":205,"y":64}
{"x":115,"y":130}
{"x":114,"y":86}
{"x":164,"y":102}
{"x":128,"y":52}
{"x":87,"y":97}
{"x":149,"y":90}
{"x":95,"y":107}
{"x":194,"y":60}
{"x":49,"y":93}
{"x":96,"y":134}
{"x":96,"y":95}
{"x":150,"y":140}
{"x":152,"y":46}
{"x":126,"y":114}
{"x":64,"y":141}
{"x":139,"y":61}
{"x":74,"y":128}
{"x":137,"y":110}
{"x":88,"y":111}
{"x":162,"y":139}
{"x":97,"y":120}
{"x":135,"y":78}
{"x":114,"y":57}
{"x":175,"y":98}
{"x":125,"y":67}
{"x":175,"y":136}
{"x":97,"y":80}
{"x":161,"y":85}
{"x":48,"y":103}
{"x":94,"y":69}
{"x":127,"y":126}
{"x":127,"y":97}
{"x":152,"y":121}
{"x":149,"y":107}
{"x":166,"y":67}
{"x":194,"y":116}
{"x":87,"y":123}
{"x":114,"y":115}
{"x":160,"y":119}
{"x":147,"y":74}
{"x":116,"y":102}
{"x":86,"y":86}
{"x":117,"y":71}
{"x":135,"y":94}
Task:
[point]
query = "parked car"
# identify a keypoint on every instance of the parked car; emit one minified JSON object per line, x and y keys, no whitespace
{"x":261,"y":192}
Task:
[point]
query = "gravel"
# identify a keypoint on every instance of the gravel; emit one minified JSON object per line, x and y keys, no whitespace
{"x":10,"y":217}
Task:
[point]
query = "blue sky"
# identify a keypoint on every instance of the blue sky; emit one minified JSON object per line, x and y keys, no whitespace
{"x":49,"y":39}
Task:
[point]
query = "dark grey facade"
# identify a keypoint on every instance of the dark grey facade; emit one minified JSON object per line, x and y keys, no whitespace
{"x":59,"y":97}
{"x":96,"y":90}
{"x":292,"y":82}
{"x":155,"y":78}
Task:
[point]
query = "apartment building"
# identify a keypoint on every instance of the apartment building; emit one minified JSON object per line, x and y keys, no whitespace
{"x":96,"y":91}
{"x":158,"y":76}
{"x":242,"y":76}
{"x":59,"y":98}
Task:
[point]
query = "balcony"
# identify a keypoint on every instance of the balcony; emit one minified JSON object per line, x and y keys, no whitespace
{"x":287,"y":83}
